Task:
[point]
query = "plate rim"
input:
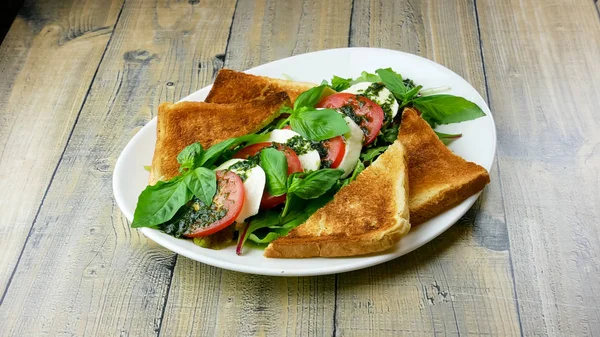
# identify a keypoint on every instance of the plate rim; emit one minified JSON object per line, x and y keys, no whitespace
{"x":380,"y":257}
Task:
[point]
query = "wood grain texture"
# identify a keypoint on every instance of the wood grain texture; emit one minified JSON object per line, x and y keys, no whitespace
{"x":461,"y":282}
{"x":544,"y":79}
{"x":49,"y":43}
{"x":251,"y":305}
{"x":83,"y":270}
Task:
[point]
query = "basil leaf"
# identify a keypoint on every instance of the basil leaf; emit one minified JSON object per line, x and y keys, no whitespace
{"x":310,"y":97}
{"x":214,"y":153}
{"x":202,"y":182}
{"x":158,"y":203}
{"x":366,"y":77}
{"x":446,"y":109}
{"x":315,"y":183}
{"x":319,"y":125}
{"x":339,"y":83}
{"x":275,"y":166}
{"x":372,"y":153}
{"x":190,"y":157}
{"x":447,"y":138}
{"x":393,"y":81}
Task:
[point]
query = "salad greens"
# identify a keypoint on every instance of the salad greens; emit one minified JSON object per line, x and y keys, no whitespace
{"x":162,"y":205}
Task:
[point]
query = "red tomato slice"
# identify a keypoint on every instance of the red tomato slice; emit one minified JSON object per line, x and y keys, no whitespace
{"x":229,"y":198}
{"x":370,"y":114}
{"x":336,"y":148}
{"x":268,"y":201}
{"x":294,"y":165}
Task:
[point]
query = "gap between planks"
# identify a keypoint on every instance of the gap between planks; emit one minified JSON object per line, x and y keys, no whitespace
{"x":499,"y":173}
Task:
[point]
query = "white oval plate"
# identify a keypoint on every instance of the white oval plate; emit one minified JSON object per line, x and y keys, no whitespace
{"x":478,"y":144}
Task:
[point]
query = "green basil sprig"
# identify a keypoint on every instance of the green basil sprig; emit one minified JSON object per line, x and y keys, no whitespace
{"x":309,"y":186}
{"x":318,"y":125}
{"x":275,"y":166}
{"x":446,"y":109}
{"x":313,"y":124}
{"x":158,"y":203}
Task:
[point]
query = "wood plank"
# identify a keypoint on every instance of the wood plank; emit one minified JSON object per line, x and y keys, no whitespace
{"x":49,"y":44}
{"x":251,"y":305}
{"x":461,"y":282}
{"x":544,"y":79}
{"x":83,"y":270}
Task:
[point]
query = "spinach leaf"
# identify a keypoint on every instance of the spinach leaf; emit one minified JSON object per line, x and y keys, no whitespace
{"x":190,"y":157}
{"x":158,"y":203}
{"x":315,"y":184}
{"x":266,"y":239}
{"x":371,"y":154}
{"x":318,"y":125}
{"x":275,"y":166}
{"x":310,"y":97}
{"x":202,"y":182}
{"x":446,"y":109}
{"x":261,"y":220}
{"x":447,"y":138}
{"x":339,"y":83}
{"x":393,"y":81}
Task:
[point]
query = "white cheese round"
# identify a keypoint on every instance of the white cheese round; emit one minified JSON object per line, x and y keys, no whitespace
{"x":354,"y":142}
{"x":311,"y":161}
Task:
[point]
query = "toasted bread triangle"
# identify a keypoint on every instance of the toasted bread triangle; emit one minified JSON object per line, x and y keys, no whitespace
{"x":234,"y":86}
{"x":369,"y":215}
{"x":184,"y":123}
{"x":438,"y":178}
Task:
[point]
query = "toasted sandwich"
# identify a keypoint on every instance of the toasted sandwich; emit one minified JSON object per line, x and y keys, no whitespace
{"x":438,"y":178}
{"x":369,"y":215}
{"x":233,"y":86}
{"x":184,"y":123}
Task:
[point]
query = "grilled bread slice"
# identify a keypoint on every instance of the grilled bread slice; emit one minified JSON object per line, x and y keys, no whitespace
{"x":438,"y":179}
{"x":369,"y":215}
{"x":233,"y":86}
{"x":184,"y":123}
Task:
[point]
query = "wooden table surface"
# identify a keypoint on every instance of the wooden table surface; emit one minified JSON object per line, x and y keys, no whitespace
{"x":80,"y":77}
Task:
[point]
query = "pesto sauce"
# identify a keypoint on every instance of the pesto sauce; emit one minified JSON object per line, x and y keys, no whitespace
{"x":299,"y":145}
{"x":192,"y":216}
{"x":242,"y":167}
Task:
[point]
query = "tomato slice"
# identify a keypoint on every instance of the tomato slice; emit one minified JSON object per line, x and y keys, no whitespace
{"x":368,"y":114}
{"x":336,"y":148}
{"x":294,"y":165}
{"x":227,"y":205}
{"x":268,"y":201}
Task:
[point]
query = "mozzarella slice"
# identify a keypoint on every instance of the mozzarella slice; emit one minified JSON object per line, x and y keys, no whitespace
{"x":254,"y":186}
{"x":384,"y":97}
{"x":310,"y":160}
{"x":354,"y":142}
